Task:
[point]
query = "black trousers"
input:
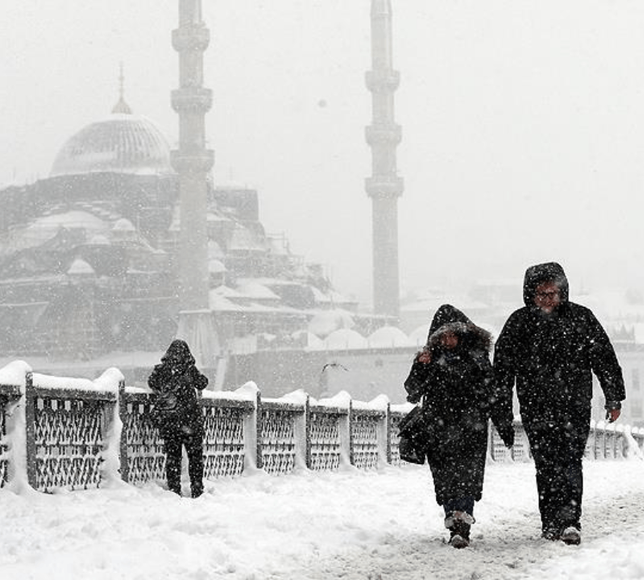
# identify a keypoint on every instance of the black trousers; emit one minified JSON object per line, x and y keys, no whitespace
{"x":558,"y":450}
{"x":174,"y":445}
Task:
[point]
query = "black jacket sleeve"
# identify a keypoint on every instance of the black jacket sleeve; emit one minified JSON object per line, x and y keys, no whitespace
{"x":198,"y":380}
{"x":158,"y":378}
{"x":500,"y":413}
{"x":415,"y":382}
{"x":505,"y":371}
{"x":603,"y":361}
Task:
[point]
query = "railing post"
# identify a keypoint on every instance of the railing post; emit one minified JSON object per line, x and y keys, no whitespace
{"x":124,"y":459}
{"x":346,"y":433}
{"x":387,"y":430}
{"x":30,"y":430}
{"x":307,"y":426}
{"x":259,"y":421}
{"x":251,"y":435}
{"x":302,"y":437}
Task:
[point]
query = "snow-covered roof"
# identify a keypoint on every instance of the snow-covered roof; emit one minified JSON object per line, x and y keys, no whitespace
{"x":251,"y":289}
{"x":326,"y":321}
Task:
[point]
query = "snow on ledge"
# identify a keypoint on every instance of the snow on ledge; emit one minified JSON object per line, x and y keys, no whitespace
{"x":14,"y":373}
{"x":247,"y":392}
{"x":341,"y":400}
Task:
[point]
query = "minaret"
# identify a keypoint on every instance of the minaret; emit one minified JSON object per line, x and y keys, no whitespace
{"x":384,"y":186}
{"x":121,"y":106}
{"x":193,"y":161}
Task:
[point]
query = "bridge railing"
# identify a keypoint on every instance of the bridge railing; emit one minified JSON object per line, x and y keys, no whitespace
{"x":70,"y":433}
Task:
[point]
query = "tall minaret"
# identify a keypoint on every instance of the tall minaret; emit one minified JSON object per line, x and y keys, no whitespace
{"x":384,"y":186}
{"x":193,"y":161}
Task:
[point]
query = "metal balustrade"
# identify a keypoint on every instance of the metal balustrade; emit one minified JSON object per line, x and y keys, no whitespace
{"x":74,"y":433}
{"x":9,"y":397}
{"x":66,"y":434}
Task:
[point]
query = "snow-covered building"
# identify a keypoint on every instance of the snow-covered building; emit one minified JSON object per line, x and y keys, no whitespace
{"x":88,"y":255}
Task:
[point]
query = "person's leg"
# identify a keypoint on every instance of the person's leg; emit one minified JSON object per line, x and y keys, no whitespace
{"x":459,"y":504}
{"x":194,"y":448}
{"x":459,"y":519}
{"x":173,"y":448}
{"x":570,"y":515}
{"x":547,"y":449}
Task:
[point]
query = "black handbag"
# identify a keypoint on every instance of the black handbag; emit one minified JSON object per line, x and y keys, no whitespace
{"x":414,"y":435}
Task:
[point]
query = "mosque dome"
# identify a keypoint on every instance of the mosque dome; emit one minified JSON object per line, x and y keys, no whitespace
{"x":122,"y":143}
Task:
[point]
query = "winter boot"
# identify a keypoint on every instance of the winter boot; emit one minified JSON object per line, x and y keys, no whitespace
{"x":459,"y":524}
{"x":571,"y":536}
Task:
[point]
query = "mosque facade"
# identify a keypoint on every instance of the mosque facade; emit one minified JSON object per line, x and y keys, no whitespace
{"x":89,"y":256}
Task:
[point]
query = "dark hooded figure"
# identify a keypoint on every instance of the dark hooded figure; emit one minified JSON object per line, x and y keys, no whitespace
{"x":177,"y":413}
{"x":453,"y":376}
{"x":549,"y":349}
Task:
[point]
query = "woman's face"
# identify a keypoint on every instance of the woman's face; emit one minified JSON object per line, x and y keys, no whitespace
{"x":449,"y":340}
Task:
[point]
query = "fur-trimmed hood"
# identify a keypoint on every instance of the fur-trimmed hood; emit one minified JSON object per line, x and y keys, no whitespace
{"x":451,"y":319}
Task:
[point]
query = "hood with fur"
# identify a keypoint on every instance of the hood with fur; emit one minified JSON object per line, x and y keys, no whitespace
{"x":451,"y":319}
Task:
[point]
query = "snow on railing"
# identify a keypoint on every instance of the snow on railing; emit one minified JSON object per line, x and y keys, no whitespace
{"x":58,"y":432}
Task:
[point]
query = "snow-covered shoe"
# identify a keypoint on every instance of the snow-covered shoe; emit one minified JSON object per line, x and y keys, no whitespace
{"x":459,"y":524}
{"x":571,"y":536}
{"x":457,"y":541}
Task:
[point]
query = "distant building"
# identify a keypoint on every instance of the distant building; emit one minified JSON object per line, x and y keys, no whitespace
{"x":88,"y":255}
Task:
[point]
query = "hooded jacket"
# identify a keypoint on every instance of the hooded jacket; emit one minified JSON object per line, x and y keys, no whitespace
{"x":177,"y":379}
{"x":551,"y":357}
{"x":458,"y":393}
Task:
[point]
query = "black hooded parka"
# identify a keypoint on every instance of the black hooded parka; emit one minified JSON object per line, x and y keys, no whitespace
{"x":458,"y":393}
{"x":175,"y":382}
{"x":178,"y":375}
{"x":550,"y":358}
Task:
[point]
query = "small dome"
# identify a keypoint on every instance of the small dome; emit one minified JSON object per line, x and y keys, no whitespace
{"x":123,"y":225}
{"x":122,"y":143}
{"x":389,"y":337}
{"x":345,"y":339}
{"x":80,"y":268}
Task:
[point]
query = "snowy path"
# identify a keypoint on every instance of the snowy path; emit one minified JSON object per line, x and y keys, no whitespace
{"x":349,"y":525}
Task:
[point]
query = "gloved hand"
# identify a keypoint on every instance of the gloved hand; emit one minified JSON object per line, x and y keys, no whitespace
{"x":424,"y":356}
{"x":506,"y":432}
{"x":613,"y":410}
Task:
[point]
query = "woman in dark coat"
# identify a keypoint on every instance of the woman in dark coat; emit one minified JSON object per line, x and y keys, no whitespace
{"x":454,"y":378}
{"x":177,"y":414}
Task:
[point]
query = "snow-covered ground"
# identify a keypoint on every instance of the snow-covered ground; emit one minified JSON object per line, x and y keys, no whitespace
{"x":320,"y":526}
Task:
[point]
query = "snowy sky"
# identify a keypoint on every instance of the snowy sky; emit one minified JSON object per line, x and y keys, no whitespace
{"x":352,"y":525}
{"x":522,"y":122}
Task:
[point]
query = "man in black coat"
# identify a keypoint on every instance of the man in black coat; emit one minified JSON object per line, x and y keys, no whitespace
{"x":549,"y":349}
{"x":177,"y":414}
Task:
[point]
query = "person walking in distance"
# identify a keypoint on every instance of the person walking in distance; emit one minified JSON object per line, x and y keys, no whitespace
{"x":176,"y":412}
{"x":549,"y":349}
{"x":453,"y":376}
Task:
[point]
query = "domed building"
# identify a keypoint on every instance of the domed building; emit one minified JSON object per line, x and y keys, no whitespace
{"x":88,"y":255}
{"x":123,"y":143}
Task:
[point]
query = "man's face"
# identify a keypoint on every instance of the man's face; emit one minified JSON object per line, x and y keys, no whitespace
{"x":547,"y":296}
